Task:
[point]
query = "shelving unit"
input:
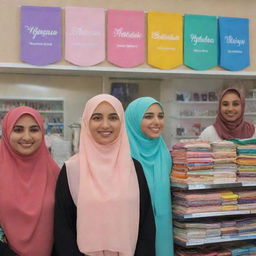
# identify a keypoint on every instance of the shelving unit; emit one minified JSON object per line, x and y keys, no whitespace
{"x":51,"y":109}
{"x":191,"y":117}
{"x":196,"y":242}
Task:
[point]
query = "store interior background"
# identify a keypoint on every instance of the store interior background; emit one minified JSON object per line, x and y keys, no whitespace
{"x":75,"y":86}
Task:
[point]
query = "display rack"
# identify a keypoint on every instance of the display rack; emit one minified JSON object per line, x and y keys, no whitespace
{"x":52,"y":109}
{"x":216,"y":214}
{"x":192,"y":117}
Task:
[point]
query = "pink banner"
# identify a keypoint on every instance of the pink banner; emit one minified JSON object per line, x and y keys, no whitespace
{"x":85,"y":35}
{"x":126,"y":35}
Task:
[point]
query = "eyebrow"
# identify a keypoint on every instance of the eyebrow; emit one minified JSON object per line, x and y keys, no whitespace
{"x":21,"y":126}
{"x":151,"y":113}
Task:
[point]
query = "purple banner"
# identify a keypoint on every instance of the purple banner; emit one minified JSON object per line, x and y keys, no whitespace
{"x":40,"y":35}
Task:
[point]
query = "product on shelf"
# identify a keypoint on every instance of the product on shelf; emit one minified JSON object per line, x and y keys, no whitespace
{"x":192,"y":162}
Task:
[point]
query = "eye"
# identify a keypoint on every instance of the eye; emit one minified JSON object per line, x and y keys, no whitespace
{"x":96,"y":117}
{"x":225,"y":104}
{"x":114,"y":117}
{"x":235,"y":104}
{"x":34,"y":129}
{"x":17,"y":129}
{"x":148,"y":116}
{"x":161,"y":115}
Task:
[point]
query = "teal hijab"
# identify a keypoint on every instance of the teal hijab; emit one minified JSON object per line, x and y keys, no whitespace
{"x":156,"y":161}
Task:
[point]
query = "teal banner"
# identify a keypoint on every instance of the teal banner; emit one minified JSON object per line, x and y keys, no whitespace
{"x":200,"y":41}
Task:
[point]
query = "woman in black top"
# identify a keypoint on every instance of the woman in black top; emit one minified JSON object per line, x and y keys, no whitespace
{"x":97,"y":213}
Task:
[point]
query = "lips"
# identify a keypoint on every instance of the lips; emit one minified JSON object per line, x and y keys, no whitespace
{"x":25,"y":144}
{"x":105,"y":133}
{"x":155,"y":129}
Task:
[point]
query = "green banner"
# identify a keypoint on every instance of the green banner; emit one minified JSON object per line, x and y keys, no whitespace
{"x":200,"y":41}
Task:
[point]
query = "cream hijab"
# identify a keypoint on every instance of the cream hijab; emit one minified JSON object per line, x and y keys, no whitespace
{"x":104,"y":186}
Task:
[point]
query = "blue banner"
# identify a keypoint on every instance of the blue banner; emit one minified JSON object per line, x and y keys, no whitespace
{"x":234,"y":43}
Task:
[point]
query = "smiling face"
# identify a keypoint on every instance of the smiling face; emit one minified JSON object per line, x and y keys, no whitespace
{"x":105,"y":124}
{"x":26,"y":136}
{"x":153,"y":121}
{"x":231,"y":107}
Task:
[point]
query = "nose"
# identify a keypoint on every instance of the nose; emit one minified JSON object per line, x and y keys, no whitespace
{"x":26,"y":135}
{"x":230,"y":107}
{"x":105,"y":123}
{"x":156,"y":120}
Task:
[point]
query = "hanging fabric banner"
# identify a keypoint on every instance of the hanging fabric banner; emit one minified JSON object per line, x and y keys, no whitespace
{"x":234,"y":43}
{"x":165,"y":39}
{"x":85,"y":35}
{"x":126,"y":38}
{"x":200,"y":41}
{"x":40,"y":35}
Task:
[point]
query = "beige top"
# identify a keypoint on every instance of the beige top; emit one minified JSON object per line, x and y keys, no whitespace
{"x":210,"y":134}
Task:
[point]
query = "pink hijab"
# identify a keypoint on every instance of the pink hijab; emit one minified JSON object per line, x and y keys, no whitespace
{"x":27,"y":185}
{"x":103,"y":183}
{"x":239,"y":129}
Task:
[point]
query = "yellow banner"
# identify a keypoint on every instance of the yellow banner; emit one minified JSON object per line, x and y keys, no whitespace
{"x":165,"y":39}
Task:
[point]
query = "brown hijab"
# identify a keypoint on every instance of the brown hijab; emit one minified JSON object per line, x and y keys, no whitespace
{"x":238,"y":129}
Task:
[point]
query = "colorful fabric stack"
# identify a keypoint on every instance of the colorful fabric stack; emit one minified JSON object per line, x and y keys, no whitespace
{"x":188,"y":202}
{"x":228,"y":228}
{"x":229,"y":249}
{"x":246,"y":226}
{"x":192,"y":162}
{"x":229,"y":200}
{"x":194,"y":231}
{"x":246,"y":160}
{"x":203,"y":251}
{"x":247,"y":200}
{"x":224,"y":154}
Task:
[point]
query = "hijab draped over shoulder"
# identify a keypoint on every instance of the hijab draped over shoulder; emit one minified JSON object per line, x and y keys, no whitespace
{"x":104,"y":186}
{"x":238,"y":129}
{"x":156,"y":161}
{"x":27,"y":191}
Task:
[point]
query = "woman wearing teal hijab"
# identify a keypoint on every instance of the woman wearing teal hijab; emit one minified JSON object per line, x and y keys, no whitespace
{"x":144,"y":121}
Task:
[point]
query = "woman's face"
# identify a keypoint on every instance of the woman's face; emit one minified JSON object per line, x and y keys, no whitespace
{"x":105,"y":124}
{"x":26,"y":136}
{"x":153,"y":121}
{"x":231,"y":107}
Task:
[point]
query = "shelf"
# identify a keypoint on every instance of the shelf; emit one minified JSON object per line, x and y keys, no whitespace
{"x":54,"y":123}
{"x":186,"y":136}
{"x":210,"y":186}
{"x":196,"y":102}
{"x":213,"y":214}
{"x":213,"y":240}
{"x":22,"y":68}
{"x":195,"y":117}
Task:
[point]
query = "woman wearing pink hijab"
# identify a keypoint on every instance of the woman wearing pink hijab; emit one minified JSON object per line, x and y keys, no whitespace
{"x":103,"y":205}
{"x":27,"y":180}
{"x":229,"y":123}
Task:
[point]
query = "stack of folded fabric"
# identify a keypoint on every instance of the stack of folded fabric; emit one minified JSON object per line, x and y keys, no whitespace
{"x":194,"y":231}
{"x":247,"y":199}
{"x":224,"y":154}
{"x":187,"y":202}
{"x":229,"y":200}
{"x":246,"y":159}
{"x":228,"y":228}
{"x":192,"y":162}
{"x":242,"y":249}
{"x":203,"y":251}
{"x":246,"y":226}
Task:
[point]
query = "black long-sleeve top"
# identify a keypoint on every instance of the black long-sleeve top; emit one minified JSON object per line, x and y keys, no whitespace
{"x":65,"y":235}
{"x":5,"y":250}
